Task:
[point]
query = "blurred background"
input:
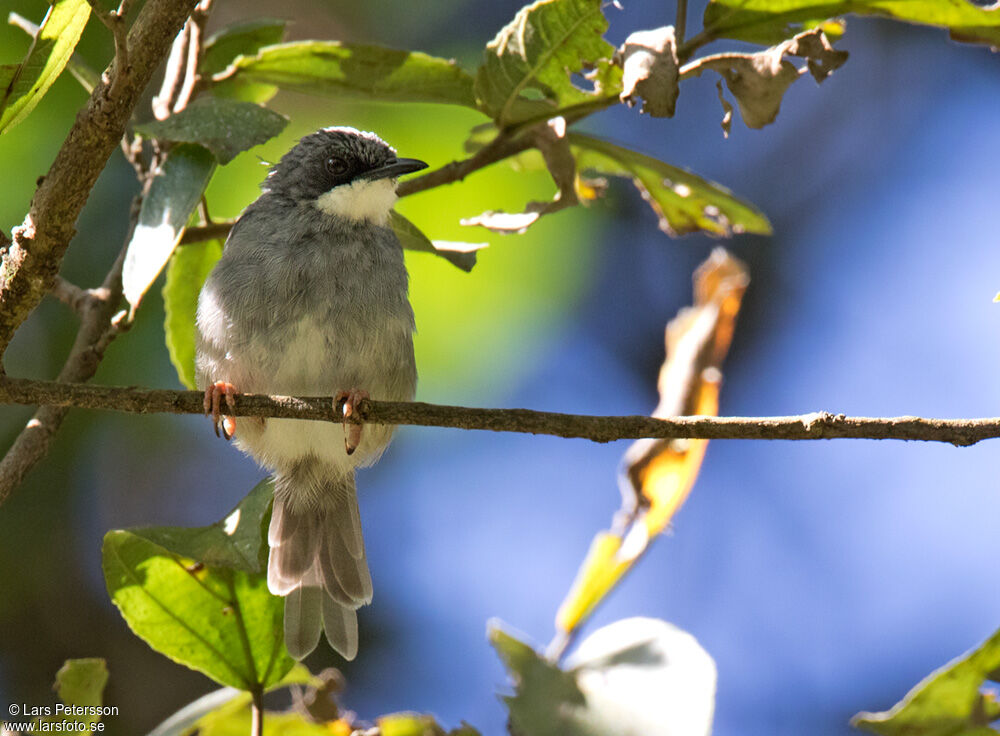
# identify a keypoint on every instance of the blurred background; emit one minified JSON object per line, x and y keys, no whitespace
{"x":823,"y":577}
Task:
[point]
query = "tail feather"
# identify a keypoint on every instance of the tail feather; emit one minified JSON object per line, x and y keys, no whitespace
{"x":317,"y":557}
{"x":341,"y":626}
{"x":303,"y":621}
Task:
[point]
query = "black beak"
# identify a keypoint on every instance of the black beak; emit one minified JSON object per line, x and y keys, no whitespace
{"x":394,"y":167}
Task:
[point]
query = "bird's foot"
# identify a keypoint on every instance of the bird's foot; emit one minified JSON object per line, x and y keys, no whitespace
{"x":352,"y":432}
{"x":213,"y":405}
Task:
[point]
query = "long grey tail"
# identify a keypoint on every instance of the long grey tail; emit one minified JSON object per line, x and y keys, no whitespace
{"x":317,"y":557}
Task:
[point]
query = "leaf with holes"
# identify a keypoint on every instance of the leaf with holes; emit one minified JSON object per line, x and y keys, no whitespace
{"x":23,"y":85}
{"x":684,"y":202}
{"x":339,"y":69}
{"x":770,"y":21}
{"x":525,"y":73}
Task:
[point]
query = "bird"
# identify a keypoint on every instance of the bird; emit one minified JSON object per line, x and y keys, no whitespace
{"x":310,"y":297}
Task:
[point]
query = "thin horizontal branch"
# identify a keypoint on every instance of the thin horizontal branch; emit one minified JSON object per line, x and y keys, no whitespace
{"x":815,"y":426}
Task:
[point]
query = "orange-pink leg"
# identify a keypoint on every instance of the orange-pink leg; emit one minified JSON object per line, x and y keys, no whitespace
{"x":352,"y":432}
{"x":213,"y":406}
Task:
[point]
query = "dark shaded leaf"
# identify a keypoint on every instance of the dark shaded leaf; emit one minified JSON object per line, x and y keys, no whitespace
{"x":525,"y":74}
{"x":336,"y":69}
{"x":237,"y":541}
{"x":225,"y":127}
{"x":239,"y":39}
{"x":683,"y":201}
{"x":23,"y":86}
{"x":462,"y":255}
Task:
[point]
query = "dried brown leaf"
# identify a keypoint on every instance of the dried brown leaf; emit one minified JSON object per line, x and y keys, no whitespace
{"x":649,"y":61}
{"x":759,"y":81}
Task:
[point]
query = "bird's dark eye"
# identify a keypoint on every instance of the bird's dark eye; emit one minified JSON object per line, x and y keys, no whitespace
{"x":337,"y":167}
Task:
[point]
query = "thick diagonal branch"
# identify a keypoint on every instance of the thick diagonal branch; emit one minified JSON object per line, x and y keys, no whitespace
{"x":30,"y":264}
{"x":814,"y":426}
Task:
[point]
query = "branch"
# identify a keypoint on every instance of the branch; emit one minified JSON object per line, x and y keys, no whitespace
{"x":98,"y":327}
{"x":815,"y":426}
{"x":29,"y":265}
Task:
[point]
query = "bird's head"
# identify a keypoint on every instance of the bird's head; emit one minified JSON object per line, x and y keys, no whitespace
{"x":344,"y":172}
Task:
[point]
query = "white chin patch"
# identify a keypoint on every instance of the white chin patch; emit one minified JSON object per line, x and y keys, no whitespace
{"x":361,"y":200}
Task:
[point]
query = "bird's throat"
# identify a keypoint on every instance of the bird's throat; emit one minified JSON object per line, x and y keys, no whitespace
{"x":360,"y":201}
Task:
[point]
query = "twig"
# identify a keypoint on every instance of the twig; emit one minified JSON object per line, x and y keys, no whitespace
{"x":173,"y":76}
{"x":814,"y":426}
{"x":256,"y":712}
{"x":30,"y":264}
{"x":681,"y":21}
{"x":503,"y":146}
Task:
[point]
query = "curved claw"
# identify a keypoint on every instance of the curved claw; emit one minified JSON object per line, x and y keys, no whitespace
{"x":352,"y":432}
{"x":213,"y":407}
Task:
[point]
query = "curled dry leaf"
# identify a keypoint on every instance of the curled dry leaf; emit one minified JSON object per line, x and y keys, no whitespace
{"x":550,"y":139}
{"x":657,"y":475}
{"x":649,"y":61}
{"x":759,"y":81}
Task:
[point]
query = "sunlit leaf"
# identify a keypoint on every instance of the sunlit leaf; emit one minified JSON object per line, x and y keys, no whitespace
{"x":208,"y":614}
{"x":771,"y":21}
{"x":80,"y":70}
{"x":657,"y":475}
{"x":224,"y":127}
{"x":950,"y":700}
{"x":337,"y":69}
{"x":186,"y":273}
{"x":525,"y":73}
{"x":176,"y":189}
{"x":462,"y":255}
{"x":684,"y":202}
{"x":22,"y":86}
{"x":237,"y":723}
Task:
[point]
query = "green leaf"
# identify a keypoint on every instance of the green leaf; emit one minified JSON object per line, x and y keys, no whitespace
{"x":219,"y":620}
{"x":80,"y":682}
{"x":337,"y":69}
{"x":684,"y":202}
{"x":239,"y":39}
{"x":545,"y":697}
{"x":237,"y":723}
{"x":186,"y":274}
{"x":24,"y":85}
{"x":462,"y":255}
{"x":176,"y":189}
{"x":770,"y":21}
{"x":224,"y":127}
{"x":525,"y":74}
{"x":238,"y":540}
{"x":947,"y":702}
